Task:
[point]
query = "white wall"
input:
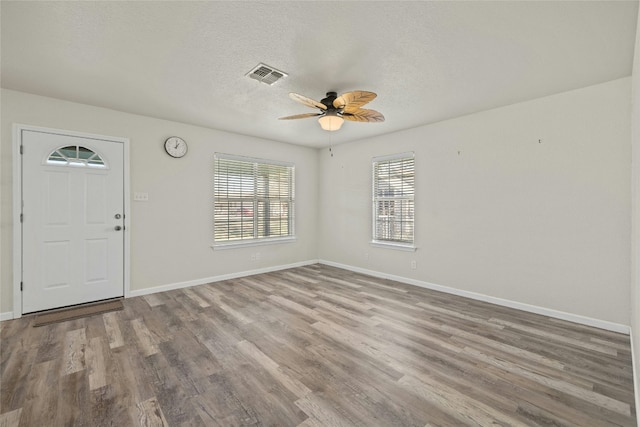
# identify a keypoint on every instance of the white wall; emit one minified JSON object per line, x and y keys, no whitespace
{"x":172,"y":233}
{"x":635,"y":252}
{"x":498,"y":213}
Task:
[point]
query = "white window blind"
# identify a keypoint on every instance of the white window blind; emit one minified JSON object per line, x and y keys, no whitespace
{"x":253,"y":199}
{"x":393,"y":199}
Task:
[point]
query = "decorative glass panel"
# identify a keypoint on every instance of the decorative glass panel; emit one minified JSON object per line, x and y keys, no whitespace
{"x":76,"y":155}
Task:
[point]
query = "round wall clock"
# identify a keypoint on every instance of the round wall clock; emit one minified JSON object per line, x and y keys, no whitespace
{"x":175,"y":146}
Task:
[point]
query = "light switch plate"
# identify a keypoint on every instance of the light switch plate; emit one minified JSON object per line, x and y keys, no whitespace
{"x":141,"y":197}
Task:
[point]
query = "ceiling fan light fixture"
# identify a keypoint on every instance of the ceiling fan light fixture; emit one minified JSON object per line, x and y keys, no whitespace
{"x":331,"y":121}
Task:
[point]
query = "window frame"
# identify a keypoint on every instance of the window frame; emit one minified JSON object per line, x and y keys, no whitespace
{"x":375,"y":239}
{"x":255,"y":200}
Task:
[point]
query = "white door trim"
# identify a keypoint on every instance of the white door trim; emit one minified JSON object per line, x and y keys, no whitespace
{"x":17,"y":206}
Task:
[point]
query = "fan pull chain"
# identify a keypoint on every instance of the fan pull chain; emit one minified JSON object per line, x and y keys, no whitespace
{"x":331,"y":143}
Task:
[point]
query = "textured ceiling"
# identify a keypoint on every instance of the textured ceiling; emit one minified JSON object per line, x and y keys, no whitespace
{"x":428,"y":61}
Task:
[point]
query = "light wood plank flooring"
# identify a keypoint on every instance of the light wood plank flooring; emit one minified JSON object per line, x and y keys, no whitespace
{"x":313,"y":346}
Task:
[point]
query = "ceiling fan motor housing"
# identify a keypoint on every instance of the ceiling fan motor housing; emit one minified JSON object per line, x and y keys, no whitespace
{"x":328,"y":101}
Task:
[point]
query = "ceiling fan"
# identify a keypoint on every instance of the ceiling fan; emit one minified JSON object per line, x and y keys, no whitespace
{"x":334,"y":109}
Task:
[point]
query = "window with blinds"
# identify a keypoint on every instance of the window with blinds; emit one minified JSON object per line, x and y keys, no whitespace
{"x":253,"y":200}
{"x":393,"y":204}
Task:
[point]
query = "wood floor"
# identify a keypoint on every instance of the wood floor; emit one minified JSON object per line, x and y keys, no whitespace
{"x":313,"y":346}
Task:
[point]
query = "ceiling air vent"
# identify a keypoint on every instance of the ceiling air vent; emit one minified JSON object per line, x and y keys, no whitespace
{"x":265,"y":74}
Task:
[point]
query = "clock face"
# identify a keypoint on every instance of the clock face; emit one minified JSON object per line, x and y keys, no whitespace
{"x":175,"y":146}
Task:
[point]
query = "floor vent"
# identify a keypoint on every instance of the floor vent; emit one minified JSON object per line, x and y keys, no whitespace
{"x":265,"y":74}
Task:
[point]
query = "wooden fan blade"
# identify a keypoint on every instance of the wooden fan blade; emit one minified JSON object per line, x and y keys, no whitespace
{"x":307,"y":101}
{"x":351,"y":101}
{"x":364,"y":115}
{"x":300,"y":116}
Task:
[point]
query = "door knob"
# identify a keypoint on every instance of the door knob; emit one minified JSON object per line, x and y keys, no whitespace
{"x":118,"y":228}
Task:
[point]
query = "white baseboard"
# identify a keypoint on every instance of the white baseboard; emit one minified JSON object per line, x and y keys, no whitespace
{"x":576,"y":318}
{"x":6,"y":316}
{"x":204,"y":281}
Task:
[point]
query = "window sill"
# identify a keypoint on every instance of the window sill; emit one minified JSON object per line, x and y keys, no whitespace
{"x":242,"y":244}
{"x":396,"y":246}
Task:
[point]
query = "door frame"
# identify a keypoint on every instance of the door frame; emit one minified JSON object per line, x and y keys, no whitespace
{"x":18,"y":130}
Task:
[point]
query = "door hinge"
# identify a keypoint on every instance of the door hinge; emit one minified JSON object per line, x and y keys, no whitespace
{"x":21,"y":149}
{"x":21,"y":286}
{"x":21,"y":217}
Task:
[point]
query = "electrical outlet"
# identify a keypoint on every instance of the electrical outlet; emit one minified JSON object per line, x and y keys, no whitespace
{"x":414,"y":265}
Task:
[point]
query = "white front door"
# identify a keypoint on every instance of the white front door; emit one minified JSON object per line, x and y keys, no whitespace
{"x":73,"y":220}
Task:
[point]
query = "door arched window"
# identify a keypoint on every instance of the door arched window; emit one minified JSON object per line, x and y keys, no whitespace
{"x":76,"y":155}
